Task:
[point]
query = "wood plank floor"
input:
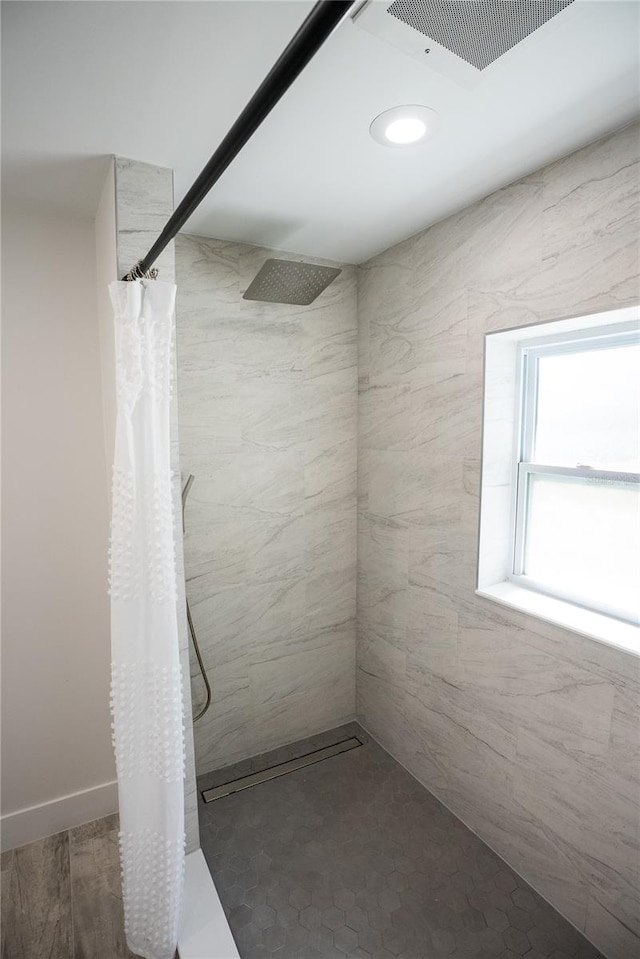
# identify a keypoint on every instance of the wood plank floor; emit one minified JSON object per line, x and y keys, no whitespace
{"x":61,"y":896}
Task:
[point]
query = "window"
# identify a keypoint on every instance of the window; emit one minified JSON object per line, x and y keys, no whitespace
{"x":577,"y":513}
{"x":560,"y":485}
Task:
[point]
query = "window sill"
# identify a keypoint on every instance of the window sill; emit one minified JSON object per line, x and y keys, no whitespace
{"x":604,"y":629}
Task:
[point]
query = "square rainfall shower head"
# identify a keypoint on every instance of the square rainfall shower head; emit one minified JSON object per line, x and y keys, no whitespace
{"x":290,"y":281}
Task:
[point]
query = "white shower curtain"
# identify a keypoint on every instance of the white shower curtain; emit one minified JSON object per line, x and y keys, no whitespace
{"x":146,"y":686}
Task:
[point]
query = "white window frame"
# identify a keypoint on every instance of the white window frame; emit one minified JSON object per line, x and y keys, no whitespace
{"x":529,"y":353}
{"x":502,"y":437}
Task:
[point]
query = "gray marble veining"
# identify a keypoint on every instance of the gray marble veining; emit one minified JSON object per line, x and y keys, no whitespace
{"x":529,"y":733}
{"x":267,"y":398}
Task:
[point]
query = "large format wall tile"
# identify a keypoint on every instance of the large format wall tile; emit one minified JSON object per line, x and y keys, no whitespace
{"x":267,"y":399}
{"x":529,"y":733}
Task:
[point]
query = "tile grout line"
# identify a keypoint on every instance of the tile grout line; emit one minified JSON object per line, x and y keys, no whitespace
{"x":582,"y":932}
{"x":382,"y":827}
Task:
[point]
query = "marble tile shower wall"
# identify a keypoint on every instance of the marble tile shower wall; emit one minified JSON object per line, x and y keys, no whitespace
{"x":527,"y":732}
{"x":267,"y":399}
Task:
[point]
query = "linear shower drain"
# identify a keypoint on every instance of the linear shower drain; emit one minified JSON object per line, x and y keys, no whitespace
{"x":280,"y":769}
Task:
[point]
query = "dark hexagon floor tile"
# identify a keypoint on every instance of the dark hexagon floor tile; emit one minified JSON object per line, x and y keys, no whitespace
{"x":288,"y":916}
{"x":240,"y":916}
{"x":263,"y":916}
{"x":488,"y":863}
{"x":356,"y":918}
{"x":456,"y":901}
{"x":490,"y":941}
{"x":523,"y":899}
{"x":322,"y":939}
{"x":344,"y":898}
{"x":310,"y":918}
{"x":273,"y":937}
{"x":397,"y":881}
{"x":443,"y":942}
{"x":367,"y":900}
{"x":259,"y":952}
{"x":299,"y":898}
{"x":247,"y":937}
{"x":322,"y":899}
{"x":370,"y":940}
{"x":505,"y":881}
{"x":395,"y":940}
{"x":473,"y":921}
{"x":388,"y":900}
{"x":297,"y":938}
{"x":463,"y":882}
{"x":312,"y":953}
{"x":376,"y":882}
{"x":547,"y":935}
{"x":354,"y":859}
{"x":248,"y":879}
{"x":380,"y":920}
{"x":517,"y":941}
{"x":345,"y":939}
{"x":333,"y":917}
{"x":479,"y":899}
{"x":496,"y":919}
{"x":520,"y":919}
{"x":500,"y":900}
{"x":257,"y":896}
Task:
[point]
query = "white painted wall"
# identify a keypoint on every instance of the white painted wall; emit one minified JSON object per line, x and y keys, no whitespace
{"x":55,"y":626}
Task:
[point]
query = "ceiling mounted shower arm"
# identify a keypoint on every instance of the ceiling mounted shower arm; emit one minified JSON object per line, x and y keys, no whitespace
{"x":305,"y":44}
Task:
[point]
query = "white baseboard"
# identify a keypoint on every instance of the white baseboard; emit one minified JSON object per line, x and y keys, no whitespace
{"x":204,"y":931}
{"x":37,"y":822}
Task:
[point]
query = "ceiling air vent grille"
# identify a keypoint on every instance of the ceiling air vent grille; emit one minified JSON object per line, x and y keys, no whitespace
{"x":478,"y":31}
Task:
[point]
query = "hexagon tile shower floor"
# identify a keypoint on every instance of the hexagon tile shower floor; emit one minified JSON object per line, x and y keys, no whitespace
{"x":354,"y":857}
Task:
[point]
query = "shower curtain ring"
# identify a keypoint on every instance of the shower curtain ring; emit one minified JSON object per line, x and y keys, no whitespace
{"x":135,"y":273}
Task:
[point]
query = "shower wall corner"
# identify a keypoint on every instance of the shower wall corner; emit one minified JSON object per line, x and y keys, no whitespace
{"x":267,"y":402}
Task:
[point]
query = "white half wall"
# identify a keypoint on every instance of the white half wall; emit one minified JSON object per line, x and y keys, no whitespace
{"x":56,"y":737}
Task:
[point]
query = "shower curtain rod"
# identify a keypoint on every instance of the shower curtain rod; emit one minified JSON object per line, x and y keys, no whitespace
{"x":325,"y":15}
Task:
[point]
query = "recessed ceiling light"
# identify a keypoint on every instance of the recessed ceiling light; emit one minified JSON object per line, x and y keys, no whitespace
{"x":404,"y":126}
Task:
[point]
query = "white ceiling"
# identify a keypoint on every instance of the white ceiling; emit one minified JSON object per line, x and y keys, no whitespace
{"x":162,"y":82}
